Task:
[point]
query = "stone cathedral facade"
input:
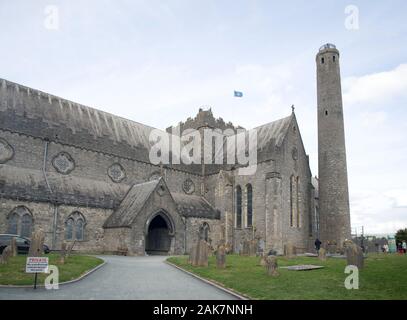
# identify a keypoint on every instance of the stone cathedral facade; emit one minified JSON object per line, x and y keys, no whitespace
{"x":84,"y":175}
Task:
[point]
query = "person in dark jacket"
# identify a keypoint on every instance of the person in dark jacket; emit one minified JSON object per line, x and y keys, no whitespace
{"x":317,"y":244}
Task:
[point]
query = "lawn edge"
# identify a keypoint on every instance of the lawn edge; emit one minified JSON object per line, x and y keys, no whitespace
{"x":218,"y":285}
{"x":61,"y":283}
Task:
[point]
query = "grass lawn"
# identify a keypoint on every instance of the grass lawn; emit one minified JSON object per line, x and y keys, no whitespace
{"x":383,"y":277}
{"x":13,"y":273}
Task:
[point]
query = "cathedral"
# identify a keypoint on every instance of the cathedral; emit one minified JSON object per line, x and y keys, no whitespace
{"x":85,"y":176}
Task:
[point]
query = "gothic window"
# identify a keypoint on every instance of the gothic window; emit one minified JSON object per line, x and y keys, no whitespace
{"x":75,"y":227}
{"x":249,"y":193}
{"x":292,"y":185}
{"x":79,"y":229}
{"x":20,"y":222}
{"x":26,"y":224}
{"x":204,"y":232}
{"x":322,"y":60}
{"x":13,"y":224}
{"x":297,"y":196}
{"x":238,"y":207}
{"x":69,"y":229}
{"x":333,"y":58}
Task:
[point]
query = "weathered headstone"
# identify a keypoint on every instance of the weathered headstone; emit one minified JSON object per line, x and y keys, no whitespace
{"x":271,"y":266}
{"x":37,"y":244}
{"x":263,"y":260}
{"x":289,"y":250}
{"x":14,"y":251}
{"x":199,"y":254}
{"x":261,"y":247}
{"x":322,"y":254}
{"x":62,"y":255}
{"x":354,"y":255}
{"x":253,"y":244}
{"x":6,"y":255}
{"x":221,"y":257}
{"x":246,"y":248}
{"x":203,"y":253}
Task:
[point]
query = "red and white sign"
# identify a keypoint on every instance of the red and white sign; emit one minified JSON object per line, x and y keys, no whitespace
{"x":36,"y":265}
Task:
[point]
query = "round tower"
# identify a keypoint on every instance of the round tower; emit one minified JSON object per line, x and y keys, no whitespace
{"x":333,"y":177}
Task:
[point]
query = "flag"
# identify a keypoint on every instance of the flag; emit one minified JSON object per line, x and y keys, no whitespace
{"x":238,"y":94}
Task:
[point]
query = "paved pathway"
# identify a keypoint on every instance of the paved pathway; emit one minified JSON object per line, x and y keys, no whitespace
{"x":127,"y":278}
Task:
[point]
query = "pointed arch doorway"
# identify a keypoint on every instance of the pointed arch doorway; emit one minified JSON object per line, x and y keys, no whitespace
{"x":159,"y":234}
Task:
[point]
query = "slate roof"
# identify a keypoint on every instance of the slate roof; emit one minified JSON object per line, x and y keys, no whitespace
{"x":30,"y":185}
{"x":42,"y":115}
{"x":130,"y":206}
{"x":38,"y":114}
{"x":192,"y":206}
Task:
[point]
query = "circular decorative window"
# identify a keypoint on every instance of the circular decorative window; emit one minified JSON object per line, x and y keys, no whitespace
{"x":63,"y":163}
{"x":294,"y":153}
{"x":6,"y":151}
{"x":116,"y":172}
{"x":188,"y":186}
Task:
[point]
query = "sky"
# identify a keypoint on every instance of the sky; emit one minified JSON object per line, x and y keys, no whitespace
{"x":158,"y":62}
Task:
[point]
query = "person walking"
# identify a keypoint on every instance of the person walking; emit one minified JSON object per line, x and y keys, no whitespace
{"x":317,"y":245}
{"x":404,"y":246}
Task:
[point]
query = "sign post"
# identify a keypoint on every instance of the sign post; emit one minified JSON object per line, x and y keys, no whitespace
{"x":36,"y":265}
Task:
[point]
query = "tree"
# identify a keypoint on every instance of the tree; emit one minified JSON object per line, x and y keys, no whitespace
{"x":401,"y":235}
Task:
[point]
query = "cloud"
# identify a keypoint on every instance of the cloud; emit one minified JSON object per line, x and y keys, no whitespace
{"x":376,"y":87}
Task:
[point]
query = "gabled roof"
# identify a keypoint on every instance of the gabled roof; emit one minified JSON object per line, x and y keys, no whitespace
{"x":131,"y":205}
{"x":268,"y":135}
{"x":274,"y":131}
{"x":192,"y":206}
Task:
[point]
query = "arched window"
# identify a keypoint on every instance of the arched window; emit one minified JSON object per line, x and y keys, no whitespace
{"x":75,"y":227}
{"x":20,"y":221}
{"x":69,"y":229}
{"x":238,"y":207}
{"x":292,"y":184}
{"x":13,"y":223}
{"x":249,"y":193}
{"x":204,"y":231}
{"x":79,"y":229}
{"x":26,"y":224}
{"x":297,"y":196}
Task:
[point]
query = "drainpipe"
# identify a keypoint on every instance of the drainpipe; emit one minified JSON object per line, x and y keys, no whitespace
{"x":44,"y":169}
{"x":185,"y":234}
{"x":44,"y":165}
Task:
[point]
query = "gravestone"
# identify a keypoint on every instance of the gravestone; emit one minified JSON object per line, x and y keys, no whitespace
{"x":271,"y":266}
{"x":221,"y":257}
{"x":203,"y":250}
{"x":62,"y":253}
{"x":322,"y":254}
{"x":193,"y":254}
{"x":253,"y":244}
{"x":246,"y":248}
{"x":199,"y":254}
{"x":289,"y":250}
{"x":37,"y":244}
{"x":6,"y":255}
{"x":263,"y":260}
{"x":354,"y":255}
{"x":14,"y":251}
{"x":261,"y":247}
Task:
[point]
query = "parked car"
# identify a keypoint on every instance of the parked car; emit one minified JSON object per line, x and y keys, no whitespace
{"x":23,"y":243}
